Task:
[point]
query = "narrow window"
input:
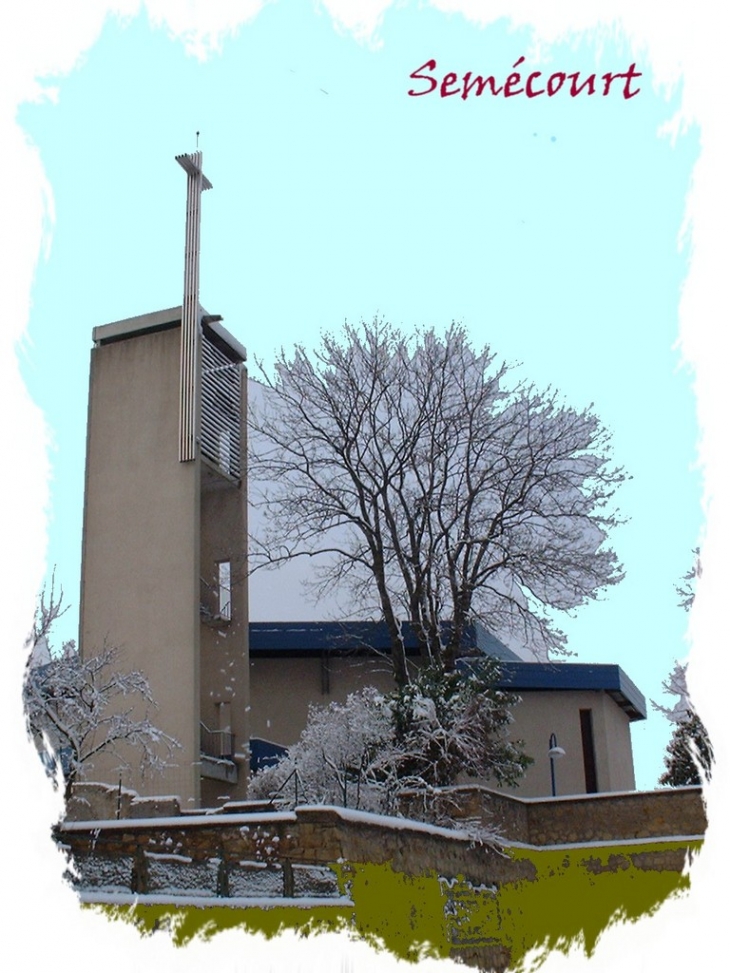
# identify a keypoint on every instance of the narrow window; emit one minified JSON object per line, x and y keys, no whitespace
{"x":589,"y":751}
{"x":224,"y":590}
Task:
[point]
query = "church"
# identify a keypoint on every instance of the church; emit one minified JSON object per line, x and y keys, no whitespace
{"x":165,"y":578}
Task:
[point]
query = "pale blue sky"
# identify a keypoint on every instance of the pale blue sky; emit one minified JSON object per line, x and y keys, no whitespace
{"x":549,"y":227}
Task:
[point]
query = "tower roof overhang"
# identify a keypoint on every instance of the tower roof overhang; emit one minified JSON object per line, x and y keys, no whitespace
{"x":164,"y":320}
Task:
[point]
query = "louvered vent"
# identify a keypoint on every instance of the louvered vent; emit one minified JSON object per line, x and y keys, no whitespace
{"x":220,"y":409}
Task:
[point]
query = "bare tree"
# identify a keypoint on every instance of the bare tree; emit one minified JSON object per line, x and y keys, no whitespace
{"x":77,"y":709}
{"x":434,"y":487}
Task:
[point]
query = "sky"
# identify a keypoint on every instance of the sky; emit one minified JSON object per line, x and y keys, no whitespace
{"x":548,"y":226}
{"x":556,"y":229}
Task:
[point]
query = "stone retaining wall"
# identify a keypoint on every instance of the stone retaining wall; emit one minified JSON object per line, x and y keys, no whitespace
{"x":609,"y":817}
{"x":154,"y":843}
{"x":315,"y":836}
{"x":318,"y":836}
{"x":567,"y":820}
{"x":402,"y":880}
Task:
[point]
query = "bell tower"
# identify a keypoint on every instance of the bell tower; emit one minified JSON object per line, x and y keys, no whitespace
{"x":164,"y":550}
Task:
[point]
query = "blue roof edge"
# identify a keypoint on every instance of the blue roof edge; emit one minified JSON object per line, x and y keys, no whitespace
{"x":367,"y":636}
{"x":561,"y":676}
{"x":304,"y":638}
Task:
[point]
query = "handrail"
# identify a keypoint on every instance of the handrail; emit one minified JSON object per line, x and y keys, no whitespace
{"x":297,"y":781}
{"x":219,"y":744}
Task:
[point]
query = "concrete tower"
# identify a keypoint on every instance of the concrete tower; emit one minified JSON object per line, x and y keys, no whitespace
{"x":164,"y":557}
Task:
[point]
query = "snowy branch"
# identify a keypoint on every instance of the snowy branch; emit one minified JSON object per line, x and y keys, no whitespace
{"x":366,"y":752}
{"x":78,"y":708}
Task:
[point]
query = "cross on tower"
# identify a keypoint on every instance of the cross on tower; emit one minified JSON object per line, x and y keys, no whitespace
{"x":190,"y":324}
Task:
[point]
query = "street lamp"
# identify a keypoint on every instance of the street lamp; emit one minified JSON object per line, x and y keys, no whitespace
{"x":554,"y":753}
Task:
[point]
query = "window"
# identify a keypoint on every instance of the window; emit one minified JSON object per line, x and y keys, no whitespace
{"x":589,"y":751}
{"x":224,"y":590}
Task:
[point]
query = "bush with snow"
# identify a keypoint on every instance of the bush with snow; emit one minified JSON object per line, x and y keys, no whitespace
{"x":363,"y":753}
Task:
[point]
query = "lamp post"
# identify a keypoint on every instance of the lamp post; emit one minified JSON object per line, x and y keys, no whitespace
{"x":554,"y":752}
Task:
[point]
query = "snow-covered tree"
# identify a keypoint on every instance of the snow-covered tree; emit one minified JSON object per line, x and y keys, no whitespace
{"x":686,"y":588}
{"x":676,"y":685}
{"x":449,"y":723}
{"x":434,"y":487}
{"x":339,"y":758}
{"x":689,"y":755}
{"x":77,"y":709}
{"x":364,"y":752}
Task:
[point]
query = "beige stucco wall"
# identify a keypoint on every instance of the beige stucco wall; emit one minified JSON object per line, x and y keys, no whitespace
{"x":614,"y":753}
{"x":153,"y":527}
{"x":224,"y":648}
{"x":545,"y":712}
{"x":140,"y":579}
{"x":283,"y":688}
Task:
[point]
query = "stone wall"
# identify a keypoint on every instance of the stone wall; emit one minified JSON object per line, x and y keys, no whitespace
{"x":568,"y":820}
{"x":109,"y":802}
{"x":614,"y":817}
{"x":402,"y":880}
{"x":316,"y":836}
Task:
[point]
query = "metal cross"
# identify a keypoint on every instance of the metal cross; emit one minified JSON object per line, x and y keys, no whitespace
{"x":190,"y":324}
